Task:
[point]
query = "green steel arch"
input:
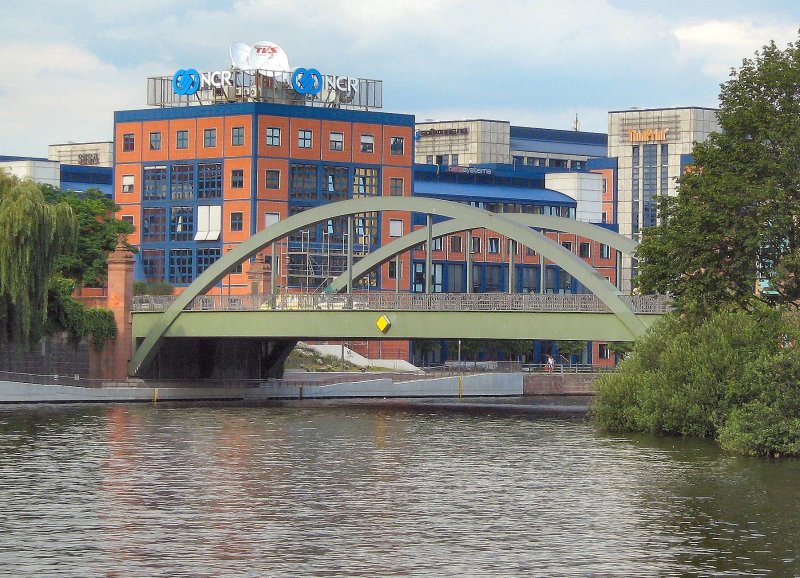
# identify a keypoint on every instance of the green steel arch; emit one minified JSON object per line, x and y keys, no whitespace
{"x":406,"y":242}
{"x":468,"y":216}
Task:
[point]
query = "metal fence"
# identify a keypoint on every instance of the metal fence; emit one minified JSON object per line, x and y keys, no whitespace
{"x":569,"y":303}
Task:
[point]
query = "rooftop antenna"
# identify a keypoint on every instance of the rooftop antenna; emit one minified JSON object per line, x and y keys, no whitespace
{"x":577,"y":126}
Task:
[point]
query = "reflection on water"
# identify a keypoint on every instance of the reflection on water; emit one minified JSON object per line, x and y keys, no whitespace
{"x":146,"y":490}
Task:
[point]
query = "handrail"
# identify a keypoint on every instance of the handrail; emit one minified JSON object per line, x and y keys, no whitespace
{"x":390,"y":301}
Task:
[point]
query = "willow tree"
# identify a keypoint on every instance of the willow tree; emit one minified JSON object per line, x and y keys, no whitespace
{"x":33,"y":234}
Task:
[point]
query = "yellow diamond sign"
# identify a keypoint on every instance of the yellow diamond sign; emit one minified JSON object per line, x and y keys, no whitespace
{"x":383,"y":323}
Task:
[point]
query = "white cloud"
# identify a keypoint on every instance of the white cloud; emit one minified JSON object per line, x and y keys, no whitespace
{"x":720,"y":45}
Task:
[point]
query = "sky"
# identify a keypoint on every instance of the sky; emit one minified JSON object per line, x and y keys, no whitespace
{"x":67,"y":65}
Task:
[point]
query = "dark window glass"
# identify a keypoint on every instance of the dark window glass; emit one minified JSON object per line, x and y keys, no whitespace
{"x":334,"y":183}
{"x":206,"y":258}
{"x":182,"y":139}
{"x":237,"y":136}
{"x":397,"y":145}
{"x":273,"y":136}
{"x":303,"y":182}
{"x":237,"y":221}
{"x":181,"y":182}
{"x":154,"y":224}
{"x":153,"y":264}
{"x":583,"y":250}
{"x":396,"y":186}
{"x":272,"y":179}
{"x":154,"y":184}
{"x":209,"y":137}
{"x":304,"y":139}
{"x":128,"y":142}
{"x":181,"y":224}
{"x":155,"y":141}
{"x":237,"y":178}
{"x":337,"y":141}
{"x":180,"y":266}
{"x":209,"y":180}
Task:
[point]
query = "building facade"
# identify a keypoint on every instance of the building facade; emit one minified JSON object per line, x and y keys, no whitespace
{"x":652,"y":148}
{"x":196,"y":181}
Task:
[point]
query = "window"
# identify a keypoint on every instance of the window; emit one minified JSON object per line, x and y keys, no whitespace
{"x":155,"y":141}
{"x":182,"y":139}
{"x":127,"y":219}
{"x":181,"y":224}
{"x":154,"y":224}
{"x":436,"y":244}
{"x":584,"y":250}
{"x":181,"y":184}
{"x":153,"y":264}
{"x":365,"y":182}
{"x":206,"y":258}
{"x":455,"y":244}
{"x":303,"y":182}
{"x":180,"y":266}
{"x":304,"y":139}
{"x":237,"y":178}
{"x":336,"y":142}
{"x":396,"y":186}
{"x":271,"y":219}
{"x":558,"y":163}
{"x":604,"y":218}
{"x":396,"y":145}
{"x":367,"y":143}
{"x":454,"y":160}
{"x":209,"y":180}
{"x":127,"y":183}
{"x":494,"y":245}
{"x":602,"y":350}
{"x":335,"y":183}
{"x":272,"y":179}
{"x":605,"y":251}
{"x":273,"y":136}
{"x":567,"y":245}
{"x":395,"y":228}
{"x":237,"y":136}
{"x":237,"y":221}
{"x":392,"y":272}
{"x":128,"y":142}
{"x":429,"y":159}
{"x":476,"y":245}
{"x":154,"y":184}
{"x":209,"y":223}
{"x":209,"y":137}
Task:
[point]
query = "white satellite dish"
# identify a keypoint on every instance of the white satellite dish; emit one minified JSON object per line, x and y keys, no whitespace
{"x":240,"y":55}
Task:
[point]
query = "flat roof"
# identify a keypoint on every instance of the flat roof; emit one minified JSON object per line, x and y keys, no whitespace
{"x":664,"y":108}
{"x":491,"y":193}
{"x":266,"y":108}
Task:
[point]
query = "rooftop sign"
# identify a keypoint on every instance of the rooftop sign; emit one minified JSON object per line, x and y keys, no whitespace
{"x":648,"y":135}
{"x":261,"y":73}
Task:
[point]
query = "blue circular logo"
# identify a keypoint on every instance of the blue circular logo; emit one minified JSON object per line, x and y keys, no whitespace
{"x":186,"y":82}
{"x":307,"y":81}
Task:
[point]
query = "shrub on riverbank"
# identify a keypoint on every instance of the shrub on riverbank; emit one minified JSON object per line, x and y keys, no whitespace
{"x":733,"y":376}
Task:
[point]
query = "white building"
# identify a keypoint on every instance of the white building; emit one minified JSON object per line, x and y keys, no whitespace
{"x":652,"y":148}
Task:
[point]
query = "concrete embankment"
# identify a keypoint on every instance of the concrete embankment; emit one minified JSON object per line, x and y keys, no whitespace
{"x":489,"y":384}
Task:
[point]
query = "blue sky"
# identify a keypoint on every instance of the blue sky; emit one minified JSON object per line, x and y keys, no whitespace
{"x":66,"y":66}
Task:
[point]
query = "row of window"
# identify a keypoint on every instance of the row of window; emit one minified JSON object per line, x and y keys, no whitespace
{"x":493,"y":244}
{"x":305,"y":140}
{"x":487,"y":278}
{"x":178,"y":181}
{"x":178,"y":223}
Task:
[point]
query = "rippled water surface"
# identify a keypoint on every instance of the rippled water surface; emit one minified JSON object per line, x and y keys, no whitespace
{"x":146,"y":490}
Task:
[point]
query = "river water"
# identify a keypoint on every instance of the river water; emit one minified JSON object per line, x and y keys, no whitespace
{"x":220,"y":490}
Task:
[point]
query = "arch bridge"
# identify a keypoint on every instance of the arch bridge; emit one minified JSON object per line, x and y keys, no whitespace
{"x":261,"y":330}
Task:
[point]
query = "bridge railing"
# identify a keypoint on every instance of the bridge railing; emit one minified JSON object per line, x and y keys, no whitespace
{"x":388,"y":301}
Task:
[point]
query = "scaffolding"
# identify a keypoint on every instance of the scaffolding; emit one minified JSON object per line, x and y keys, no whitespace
{"x":310,"y":266}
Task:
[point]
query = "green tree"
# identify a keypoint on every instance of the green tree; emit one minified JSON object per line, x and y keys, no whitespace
{"x":736,"y":217}
{"x":33,"y":234}
{"x":570,"y":348}
{"x":99,"y":233}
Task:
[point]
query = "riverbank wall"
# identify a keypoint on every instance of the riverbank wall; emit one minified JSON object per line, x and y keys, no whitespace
{"x":559,"y":383}
{"x":477,"y":385}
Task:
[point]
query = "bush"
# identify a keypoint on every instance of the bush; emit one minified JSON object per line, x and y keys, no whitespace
{"x":154,"y":288}
{"x":712,"y":378}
